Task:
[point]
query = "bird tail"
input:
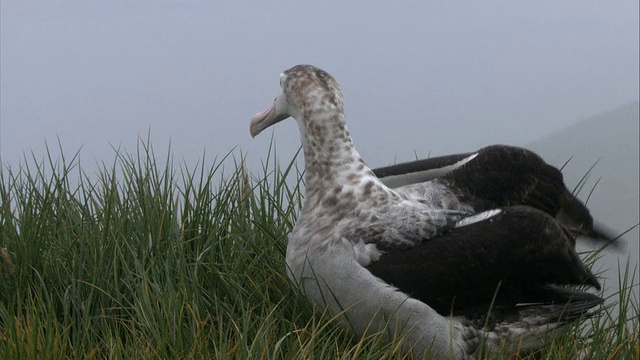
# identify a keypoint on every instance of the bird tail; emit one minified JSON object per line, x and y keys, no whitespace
{"x":532,"y":325}
{"x":576,"y":219}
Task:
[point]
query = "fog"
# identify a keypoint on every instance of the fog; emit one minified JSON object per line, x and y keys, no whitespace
{"x":421,"y":77}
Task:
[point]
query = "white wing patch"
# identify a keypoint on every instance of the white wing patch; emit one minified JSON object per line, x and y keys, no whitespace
{"x":395,"y":181}
{"x":477,"y":217}
{"x":365,"y":253}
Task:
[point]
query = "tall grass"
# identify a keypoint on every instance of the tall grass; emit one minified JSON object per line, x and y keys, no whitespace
{"x":146,"y":260}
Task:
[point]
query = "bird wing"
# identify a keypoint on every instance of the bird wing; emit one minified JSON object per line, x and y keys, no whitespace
{"x":517,"y":248}
{"x":498,"y":176}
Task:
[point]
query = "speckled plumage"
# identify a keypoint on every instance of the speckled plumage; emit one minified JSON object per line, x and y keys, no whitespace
{"x":353,"y":231}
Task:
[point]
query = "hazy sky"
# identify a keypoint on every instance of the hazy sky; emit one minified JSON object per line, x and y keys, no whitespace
{"x":422,"y":76}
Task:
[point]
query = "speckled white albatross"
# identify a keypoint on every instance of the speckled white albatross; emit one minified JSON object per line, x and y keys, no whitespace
{"x":423,"y":261}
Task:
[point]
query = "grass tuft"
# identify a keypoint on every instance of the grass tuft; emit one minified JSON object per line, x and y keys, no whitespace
{"x":146,"y":260}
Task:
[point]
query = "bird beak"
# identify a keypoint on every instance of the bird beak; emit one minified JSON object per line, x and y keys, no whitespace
{"x":266,"y":118}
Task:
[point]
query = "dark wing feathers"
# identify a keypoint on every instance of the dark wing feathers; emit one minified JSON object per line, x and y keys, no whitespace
{"x":503,"y":175}
{"x":521,"y":250}
{"x":519,"y":253}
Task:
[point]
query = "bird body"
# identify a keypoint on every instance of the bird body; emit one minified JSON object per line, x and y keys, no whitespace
{"x":423,"y":260}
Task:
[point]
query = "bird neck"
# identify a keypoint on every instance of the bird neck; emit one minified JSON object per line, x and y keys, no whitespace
{"x":331,"y":159}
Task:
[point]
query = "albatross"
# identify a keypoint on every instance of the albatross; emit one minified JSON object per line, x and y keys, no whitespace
{"x":478,"y":249}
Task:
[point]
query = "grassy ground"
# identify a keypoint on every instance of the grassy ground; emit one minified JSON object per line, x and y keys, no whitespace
{"x":146,"y":260}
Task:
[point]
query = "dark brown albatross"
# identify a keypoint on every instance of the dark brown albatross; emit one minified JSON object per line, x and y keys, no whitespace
{"x":400,"y":261}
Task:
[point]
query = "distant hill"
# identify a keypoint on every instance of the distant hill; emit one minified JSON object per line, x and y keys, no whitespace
{"x":613,"y":139}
